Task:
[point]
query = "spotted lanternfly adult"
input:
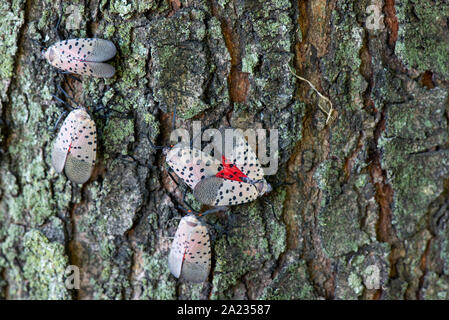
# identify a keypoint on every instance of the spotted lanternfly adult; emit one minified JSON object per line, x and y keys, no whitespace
{"x":234,"y":180}
{"x":190,"y":254}
{"x":82,"y":56}
{"x":75,"y":147}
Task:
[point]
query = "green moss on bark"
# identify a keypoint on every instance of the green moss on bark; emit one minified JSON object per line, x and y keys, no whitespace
{"x":44,"y":267}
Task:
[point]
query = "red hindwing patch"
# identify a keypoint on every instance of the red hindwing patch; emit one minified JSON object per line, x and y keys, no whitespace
{"x":230,"y":171}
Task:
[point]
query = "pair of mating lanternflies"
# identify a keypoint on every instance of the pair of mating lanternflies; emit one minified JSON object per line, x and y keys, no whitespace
{"x":238,"y":178}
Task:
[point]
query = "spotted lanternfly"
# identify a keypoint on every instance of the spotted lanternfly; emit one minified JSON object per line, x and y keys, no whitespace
{"x":234,"y":180}
{"x":190,"y":256}
{"x":83,"y":56}
{"x":75,"y":147}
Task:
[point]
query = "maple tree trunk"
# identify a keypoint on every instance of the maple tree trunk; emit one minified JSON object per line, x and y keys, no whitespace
{"x":364,"y":214}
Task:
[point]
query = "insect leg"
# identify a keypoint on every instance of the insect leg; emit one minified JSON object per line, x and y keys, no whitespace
{"x":186,"y":211}
{"x":214,"y":210}
{"x":62,"y":102}
{"x":155,"y":146}
{"x":107,"y":112}
{"x":174,"y":113}
{"x":57,"y":121}
{"x":65,"y":94}
{"x":184,"y":195}
{"x":70,"y":75}
{"x":173,"y":178}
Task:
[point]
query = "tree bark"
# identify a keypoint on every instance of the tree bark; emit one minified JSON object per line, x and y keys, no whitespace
{"x":362,"y":202}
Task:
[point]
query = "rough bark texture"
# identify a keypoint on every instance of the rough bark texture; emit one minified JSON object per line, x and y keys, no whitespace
{"x":370,"y":188}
